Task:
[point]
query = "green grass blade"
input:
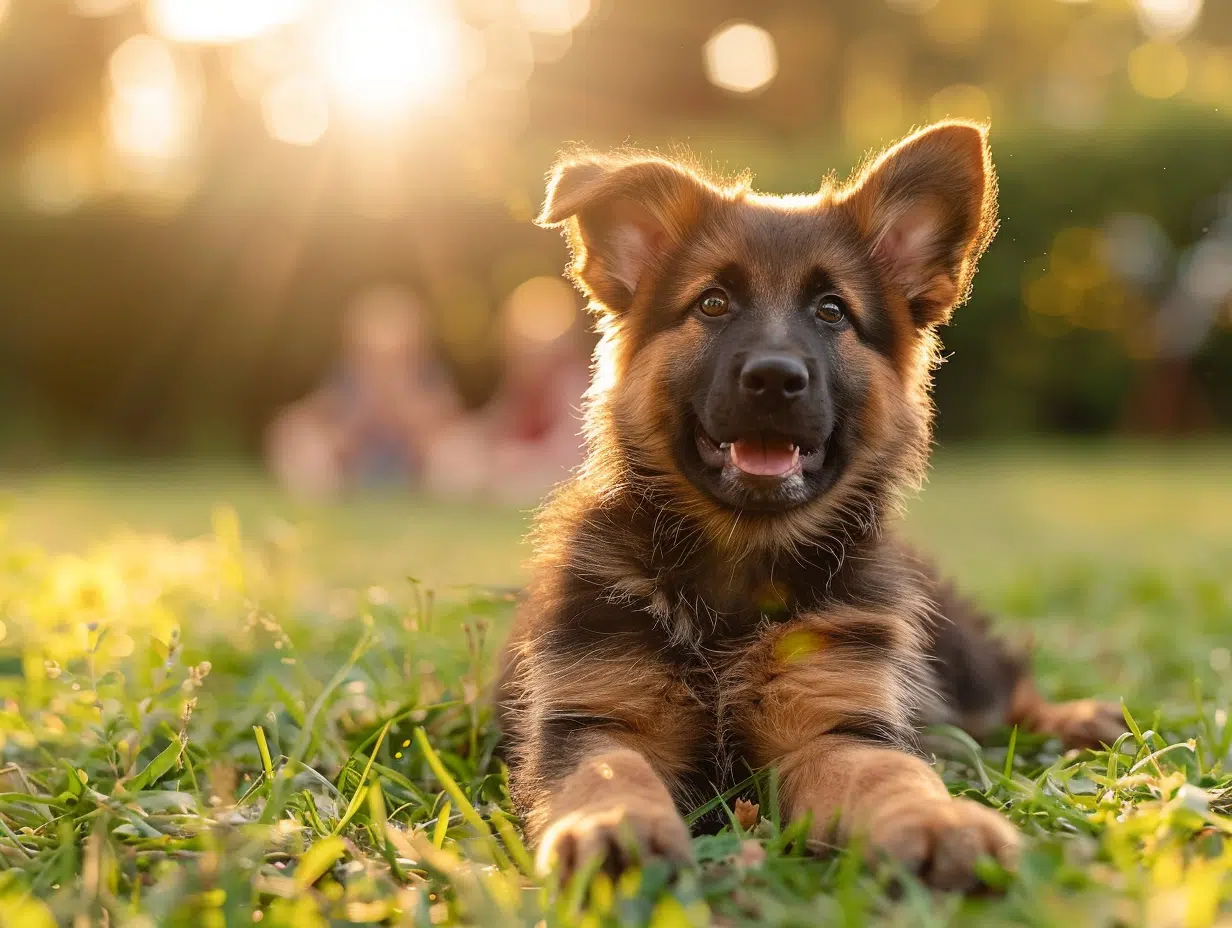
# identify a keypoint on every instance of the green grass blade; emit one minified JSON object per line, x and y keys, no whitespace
{"x":517,"y":850}
{"x":358,"y":798}
{"x":450,"y":785}
{"x":315,"y":861}
{"x":267,"y":762}
{"x":442,"y":825}
{"x":1008,"y":769}
{"x":157,"y":768}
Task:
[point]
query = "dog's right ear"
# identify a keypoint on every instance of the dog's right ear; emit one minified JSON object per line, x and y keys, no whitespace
{"x":621,"y":215}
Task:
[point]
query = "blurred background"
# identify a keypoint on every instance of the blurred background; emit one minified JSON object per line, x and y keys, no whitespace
{"x":194,"y":194}
{"x":293,"y":237}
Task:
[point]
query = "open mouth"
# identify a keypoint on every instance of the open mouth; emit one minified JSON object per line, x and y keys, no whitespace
{"x":765,"y":456}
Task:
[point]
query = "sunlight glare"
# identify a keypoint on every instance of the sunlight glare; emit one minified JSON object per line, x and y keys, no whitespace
{"x":382,"y":57}
{"x":220,"y":21}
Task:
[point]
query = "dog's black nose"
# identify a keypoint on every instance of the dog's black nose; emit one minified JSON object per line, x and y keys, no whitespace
{"x":773,"y":377}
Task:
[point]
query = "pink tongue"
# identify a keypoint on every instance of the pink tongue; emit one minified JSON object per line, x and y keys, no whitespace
{"x":764,"y":459}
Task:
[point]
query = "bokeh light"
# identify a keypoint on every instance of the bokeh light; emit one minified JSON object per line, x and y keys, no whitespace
{"x":1168,"y":18}
{"x":219,"y":21}
{"x":1206,"y":273}
{"x":150,"y":113}
{"x":296,"y":110}
{"x":1137,"y":248}
{"x":741,"y":57}
{"x":1158,"y":70}
{"x":542,"y":309}
{"x":384,"y":57}
{"x":1078,"y":289}
{"x":553,"y":17}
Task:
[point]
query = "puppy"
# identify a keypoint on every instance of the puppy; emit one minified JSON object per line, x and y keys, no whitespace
{"x":719,"y":589}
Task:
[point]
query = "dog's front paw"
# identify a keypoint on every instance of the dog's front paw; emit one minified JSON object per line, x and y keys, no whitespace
{"x":940,"y":840}
{"x":1081,"y":723}
{"x":619,"y":834}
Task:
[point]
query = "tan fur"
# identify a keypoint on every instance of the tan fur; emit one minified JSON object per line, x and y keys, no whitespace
{"x":666,"y":636}
{"x":615,"y":806}
{"x":798,"y":683}
{"x":653,"y":711}
{"x":880,"y":195}
{"x":896,"y":804}
{"x":1080,"y":723}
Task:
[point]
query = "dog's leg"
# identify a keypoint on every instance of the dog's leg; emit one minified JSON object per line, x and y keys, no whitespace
{"x":1079,"y":723}
{"x":829,"y":701}
{"x":599,"y":747}
{"x":898,"y":805}
{"x":614,"y":807}
{"x":984,"y":684}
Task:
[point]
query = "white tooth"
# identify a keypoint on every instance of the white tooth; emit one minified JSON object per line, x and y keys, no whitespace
{"x":724,"y":445}
{"x":795,"y":455}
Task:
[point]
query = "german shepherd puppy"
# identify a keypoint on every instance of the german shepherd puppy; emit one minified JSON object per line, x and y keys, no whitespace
{"x":718,"y":589}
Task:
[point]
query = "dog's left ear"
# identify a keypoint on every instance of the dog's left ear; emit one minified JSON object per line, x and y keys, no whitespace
{"x":928,"y":209}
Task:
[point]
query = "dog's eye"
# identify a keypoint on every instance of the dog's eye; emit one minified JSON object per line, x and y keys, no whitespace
{"x":831,"y":310}
{"x":713,"y":302}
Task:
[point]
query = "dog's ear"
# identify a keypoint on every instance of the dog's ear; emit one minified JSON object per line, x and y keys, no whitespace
{"x":621,"y":216}
{"x":928,"y":209}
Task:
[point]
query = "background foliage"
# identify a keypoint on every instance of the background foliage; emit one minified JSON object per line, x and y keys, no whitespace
{"x":147,"y":300}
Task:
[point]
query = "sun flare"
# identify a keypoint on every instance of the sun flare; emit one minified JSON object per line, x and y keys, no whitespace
{"x":383,"y":58}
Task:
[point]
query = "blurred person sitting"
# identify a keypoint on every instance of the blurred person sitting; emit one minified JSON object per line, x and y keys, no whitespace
{"x":527,"y":438}
{"x":375,"y":417}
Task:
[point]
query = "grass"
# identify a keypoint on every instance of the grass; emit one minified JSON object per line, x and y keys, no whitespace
{"x":218,"y":707}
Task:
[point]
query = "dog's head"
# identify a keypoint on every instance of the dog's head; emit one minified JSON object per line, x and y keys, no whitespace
{"x":768,"y":357}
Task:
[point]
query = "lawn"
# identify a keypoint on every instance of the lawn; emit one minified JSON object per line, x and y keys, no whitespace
{"x":222,"y":707}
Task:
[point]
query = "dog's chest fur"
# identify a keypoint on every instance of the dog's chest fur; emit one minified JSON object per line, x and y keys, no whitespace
{"x":710,"y":601}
